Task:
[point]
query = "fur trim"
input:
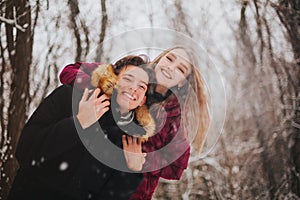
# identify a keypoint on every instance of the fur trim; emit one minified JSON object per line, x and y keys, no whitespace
{"x":145,"y":119}
{"x":103,"y":77}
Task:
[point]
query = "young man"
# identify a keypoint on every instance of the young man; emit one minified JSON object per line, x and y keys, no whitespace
{"x":54,"y":150}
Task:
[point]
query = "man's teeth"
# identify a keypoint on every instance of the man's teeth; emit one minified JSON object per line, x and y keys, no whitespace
{"x":129,"y":96}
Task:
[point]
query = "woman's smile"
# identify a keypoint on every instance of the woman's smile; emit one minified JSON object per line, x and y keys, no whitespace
{"x":166,"y":73}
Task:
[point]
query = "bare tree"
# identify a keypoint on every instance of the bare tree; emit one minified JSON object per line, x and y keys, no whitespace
{"x":289,"y":14}
{"x":74,"y":11}
{"x":104,"y":21}
{"x":19,"y":43}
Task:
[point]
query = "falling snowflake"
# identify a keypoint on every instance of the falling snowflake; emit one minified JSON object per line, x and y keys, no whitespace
{"x":79,"y":80}
{"x":33,"y":162}
{"x":63,"y":166}
{"x":235,"y":169}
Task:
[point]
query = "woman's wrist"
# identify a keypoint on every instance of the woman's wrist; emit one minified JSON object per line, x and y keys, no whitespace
{"x":81,"y":122}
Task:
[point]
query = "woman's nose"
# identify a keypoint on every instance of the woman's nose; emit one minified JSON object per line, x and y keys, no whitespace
{"x":171,"y":67}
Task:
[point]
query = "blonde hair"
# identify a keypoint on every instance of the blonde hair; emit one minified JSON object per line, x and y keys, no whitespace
{"x":194,"y":87}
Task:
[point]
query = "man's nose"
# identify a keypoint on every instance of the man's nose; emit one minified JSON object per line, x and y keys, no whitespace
{"x":133,"y":86}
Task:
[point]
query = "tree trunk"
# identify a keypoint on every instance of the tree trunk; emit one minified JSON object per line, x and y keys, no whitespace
{"x":288,"y":12}
{"x":74,"y":11}
{"x":20,"y":55}
{"x":99,"y":54}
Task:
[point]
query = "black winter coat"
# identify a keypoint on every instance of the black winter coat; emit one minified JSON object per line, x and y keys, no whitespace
{"x":54,"y":158}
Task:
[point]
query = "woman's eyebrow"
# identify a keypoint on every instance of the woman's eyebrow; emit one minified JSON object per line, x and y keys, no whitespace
{"x":184,"y":66}
{"x":173,"y":55}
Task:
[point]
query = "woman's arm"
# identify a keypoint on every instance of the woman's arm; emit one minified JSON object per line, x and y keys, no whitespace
{"x":168,"y":150}
{"x":168,"y":162}
{"x":80,"y":71}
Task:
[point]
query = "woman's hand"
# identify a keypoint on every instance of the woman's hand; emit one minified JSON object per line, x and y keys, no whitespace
{"x":132,"y":148}
{"x":92,"y":108}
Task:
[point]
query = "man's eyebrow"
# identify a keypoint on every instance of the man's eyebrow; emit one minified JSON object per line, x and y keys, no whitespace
{"x":144,"y":82}
{"x":125,"y":74}
{"x":141,"y":81}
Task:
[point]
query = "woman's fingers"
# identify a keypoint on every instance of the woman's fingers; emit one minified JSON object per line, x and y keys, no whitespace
{"x":102,"y":102}
{"x":101,"y":112}
{"x":134,"y":140}
{"x":95,"y":94}
{"x":102,"y":98}
{"x":124,"y":141}
{"x":85,"y":95}
{"x":101,"y":106}
{"x":132,"y":144}
{"x":130,"y":140}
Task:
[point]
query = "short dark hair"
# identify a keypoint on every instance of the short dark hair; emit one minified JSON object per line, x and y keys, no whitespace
{"x":139,"y":61}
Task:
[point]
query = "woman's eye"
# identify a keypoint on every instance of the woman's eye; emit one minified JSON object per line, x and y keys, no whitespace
{"x":169,"y":58}
{"x":181,"y":70}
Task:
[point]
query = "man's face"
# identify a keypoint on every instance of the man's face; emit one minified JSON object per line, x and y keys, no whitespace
{"x":132,"y":87}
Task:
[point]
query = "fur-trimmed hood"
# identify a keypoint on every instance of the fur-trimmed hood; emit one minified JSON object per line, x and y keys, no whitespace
{"x":104,"y":78}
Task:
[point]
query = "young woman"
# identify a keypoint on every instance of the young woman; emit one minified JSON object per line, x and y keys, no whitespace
{"x":54,"y":163}
{"x":179,"y":106}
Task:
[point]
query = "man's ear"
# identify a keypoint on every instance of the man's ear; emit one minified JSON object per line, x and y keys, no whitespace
{"x":143,"y":101}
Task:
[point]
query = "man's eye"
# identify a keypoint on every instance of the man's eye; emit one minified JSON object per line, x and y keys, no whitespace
{"x":126,"y":79}
{"x":142,"y":87}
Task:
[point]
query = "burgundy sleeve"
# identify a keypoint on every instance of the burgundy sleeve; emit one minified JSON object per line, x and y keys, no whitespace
{"x":168,"y":148}
{"x":168,"y":151}
{"x":173,"y":169}
{"x":78,"y":74}
{"x":146,"y":188}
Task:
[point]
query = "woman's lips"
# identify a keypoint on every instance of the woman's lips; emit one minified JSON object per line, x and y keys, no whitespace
{"x":166,"y":74}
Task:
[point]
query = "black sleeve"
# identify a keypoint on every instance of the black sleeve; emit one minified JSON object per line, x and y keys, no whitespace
{"x":51,"y":130}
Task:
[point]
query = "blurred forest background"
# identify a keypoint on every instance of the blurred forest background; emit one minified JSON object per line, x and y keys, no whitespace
{"x":254,"y":43}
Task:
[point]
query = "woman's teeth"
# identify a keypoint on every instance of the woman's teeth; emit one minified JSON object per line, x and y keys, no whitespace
{"x":166,"y":74}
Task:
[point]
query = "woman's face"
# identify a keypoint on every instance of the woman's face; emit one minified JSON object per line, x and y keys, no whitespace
{"x":173,"y":68}
{"x":132,"y":87}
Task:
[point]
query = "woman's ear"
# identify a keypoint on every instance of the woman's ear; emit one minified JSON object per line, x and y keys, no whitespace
{"x":143,"y":101}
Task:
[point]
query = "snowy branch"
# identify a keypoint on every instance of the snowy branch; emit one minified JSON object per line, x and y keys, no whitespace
{"x":12,"y":22}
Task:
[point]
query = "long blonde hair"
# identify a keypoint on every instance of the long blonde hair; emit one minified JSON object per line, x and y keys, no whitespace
{"x":194,"y":87}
